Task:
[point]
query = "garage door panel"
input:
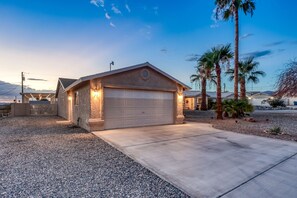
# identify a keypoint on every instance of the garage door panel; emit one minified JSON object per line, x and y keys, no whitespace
{"x":129,"y":108}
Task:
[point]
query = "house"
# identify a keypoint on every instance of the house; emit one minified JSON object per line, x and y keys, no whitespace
{"x":290,"y":100}
{"x":260,"y":98}
{"x":193,"y":99}
{"x":38,"y":97}
{"x":139,"y":95}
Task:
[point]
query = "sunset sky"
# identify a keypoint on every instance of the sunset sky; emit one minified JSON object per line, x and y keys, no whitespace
{"x":61,"y":38}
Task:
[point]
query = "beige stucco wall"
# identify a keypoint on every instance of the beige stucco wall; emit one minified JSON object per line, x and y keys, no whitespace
{"x":82,"y":109}
{"x":132,"y":80}
{"x":26,"y":109}
{"x":62,"y":103}
{"x":20,"y":109}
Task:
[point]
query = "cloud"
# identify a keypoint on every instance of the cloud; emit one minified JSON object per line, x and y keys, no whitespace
{"x":107,"y":16}
{"x":258,"y":54}
{"x":192,"y":57}
{"x":127,"y":7}
{"x":164,"y":50}
{"x":214,"y":19}
{"x":112,"y":25}
{"x":274,"y":43}
{"x":146,"y":31}
{"x":115,"y":9}
{"x":97,"y":3}
{"x":246,"y":36}
{"x":156,"y":10}
{"x":215,"y":25}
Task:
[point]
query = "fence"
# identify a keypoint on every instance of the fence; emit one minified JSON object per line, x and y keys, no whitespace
{"x":26,"y":109}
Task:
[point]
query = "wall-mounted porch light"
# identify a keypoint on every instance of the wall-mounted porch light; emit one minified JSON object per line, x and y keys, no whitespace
{"x":96,"y":93}
{"x":69,"y":98}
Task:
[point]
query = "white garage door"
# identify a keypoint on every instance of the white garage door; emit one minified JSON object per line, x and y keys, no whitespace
{"x":131,"y":108}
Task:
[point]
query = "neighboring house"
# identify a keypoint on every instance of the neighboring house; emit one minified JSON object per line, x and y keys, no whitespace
{"x":193,"y":99}
{"x":260,"y":98}
{"x":139,"y":95}
{"x":39,"y":97}
{"x":290,"y":101}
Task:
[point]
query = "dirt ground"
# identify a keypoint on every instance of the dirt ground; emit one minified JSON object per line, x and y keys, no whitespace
{"x":265,"y":120}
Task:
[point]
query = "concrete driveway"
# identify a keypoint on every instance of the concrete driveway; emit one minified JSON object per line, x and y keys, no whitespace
{"x":206,"y":162}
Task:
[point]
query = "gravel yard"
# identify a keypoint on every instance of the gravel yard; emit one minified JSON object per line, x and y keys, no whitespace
{"x":285,"y":119}
{"x":43,"y":158}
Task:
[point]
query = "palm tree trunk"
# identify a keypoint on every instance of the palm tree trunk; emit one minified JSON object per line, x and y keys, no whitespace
{"x":242,"y":89}
{"x":219,"y":93}
{"x":236,"y":55}
{"x":203,"y":93}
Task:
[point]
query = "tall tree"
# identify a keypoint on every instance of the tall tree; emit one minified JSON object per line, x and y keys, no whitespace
{"x":204,"y":74}
{"x":218,"y":57}
{"x":247,"y":72}
{"x":287,"y":80}
{"x":226,"y":9}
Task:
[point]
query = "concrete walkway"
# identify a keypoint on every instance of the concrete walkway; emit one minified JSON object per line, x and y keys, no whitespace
{"x":206,"y":162}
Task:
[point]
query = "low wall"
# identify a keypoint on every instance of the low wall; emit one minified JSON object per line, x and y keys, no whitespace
{"x":26,"y":109}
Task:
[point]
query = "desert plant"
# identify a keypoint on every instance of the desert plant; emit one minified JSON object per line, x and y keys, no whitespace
{"x":229,"y":9}
{"x":247,"y":73}
{"x":216,"y":58}
{"x":275,"y":131}
{"x":211,"y":103}
{"x":276,"y":102}
{"x":204,"y":74}
{"x":236,"y":108}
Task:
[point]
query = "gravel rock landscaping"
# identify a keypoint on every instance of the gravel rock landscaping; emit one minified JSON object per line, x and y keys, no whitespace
{"x":265,"y":120}
{"x":43,"y":158}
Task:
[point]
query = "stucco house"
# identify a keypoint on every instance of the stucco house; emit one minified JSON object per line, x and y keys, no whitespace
{"x":193,"y":99}
{"x":139,"y":95}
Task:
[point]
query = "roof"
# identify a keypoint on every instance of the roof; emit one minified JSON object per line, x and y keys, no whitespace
{"x":211,"y":94}
{"x":125,"y":69}
{"x":39,"y":94}
{"x":65,"y":82}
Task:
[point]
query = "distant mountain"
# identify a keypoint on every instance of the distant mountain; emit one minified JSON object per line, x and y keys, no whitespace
{"x":9,"y":89}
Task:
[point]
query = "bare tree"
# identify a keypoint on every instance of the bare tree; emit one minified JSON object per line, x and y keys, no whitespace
{"x":287,"y":80}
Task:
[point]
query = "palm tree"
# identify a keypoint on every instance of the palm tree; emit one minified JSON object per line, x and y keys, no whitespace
{"x":247,"y":73}
{"x":227,"y":9}
{"x":203,"y":75}
{"x":217,"y":57}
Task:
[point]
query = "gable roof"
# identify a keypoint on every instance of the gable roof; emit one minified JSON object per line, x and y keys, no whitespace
{"x":64,"y":82}
{"x":125,"y":69}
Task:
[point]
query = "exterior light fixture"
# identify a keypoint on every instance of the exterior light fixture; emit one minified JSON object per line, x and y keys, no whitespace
{"x":180,"y":96}
{"x":69,"y":98}
{"x":96,"y":93}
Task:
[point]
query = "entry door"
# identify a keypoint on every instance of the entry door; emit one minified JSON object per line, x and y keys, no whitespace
{"x":132,"y":108}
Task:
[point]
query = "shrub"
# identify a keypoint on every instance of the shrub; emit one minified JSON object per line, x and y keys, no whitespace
{"x":276,"y":102}
{"x":210,"y":103}
{"x":235,"y":109}
{"x":275,"y":131}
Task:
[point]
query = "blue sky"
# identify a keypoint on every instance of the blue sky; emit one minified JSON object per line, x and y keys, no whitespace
{"x":50,"y":38}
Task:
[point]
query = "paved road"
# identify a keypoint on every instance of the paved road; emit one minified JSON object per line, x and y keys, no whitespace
{"x":206,"y":162}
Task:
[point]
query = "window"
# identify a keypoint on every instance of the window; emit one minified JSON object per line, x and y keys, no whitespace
{"x":76,"y":98}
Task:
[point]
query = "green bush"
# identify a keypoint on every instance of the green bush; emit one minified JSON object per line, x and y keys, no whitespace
{"x":275,"y":131}
{"x":235,"y":109}
{"x":276,"y":102}
{"x":211,"y":104}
